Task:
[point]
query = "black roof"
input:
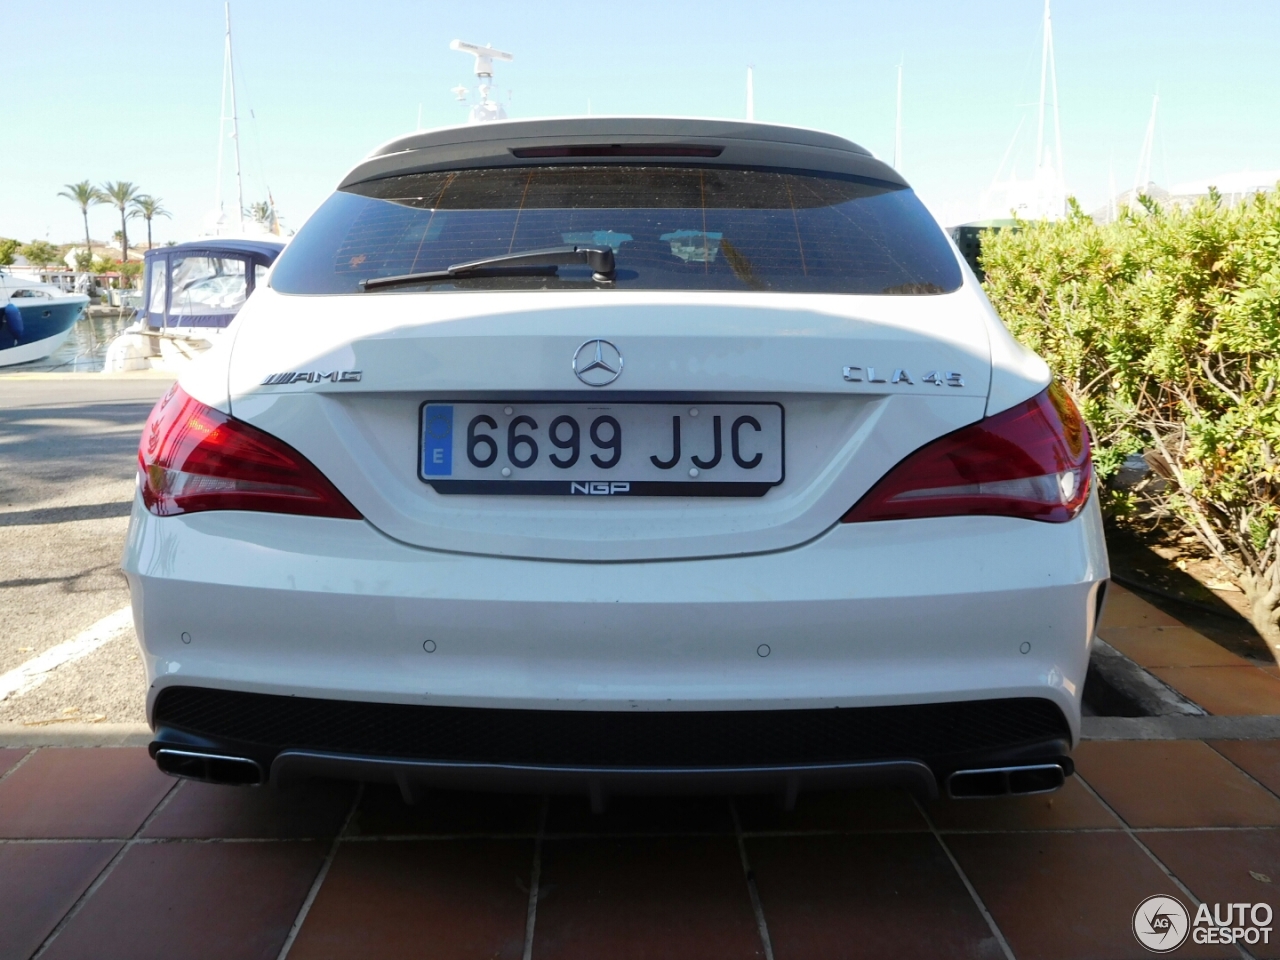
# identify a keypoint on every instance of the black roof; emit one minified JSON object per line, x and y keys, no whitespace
{"x":507,"y":143}
{"x":263,"y":251}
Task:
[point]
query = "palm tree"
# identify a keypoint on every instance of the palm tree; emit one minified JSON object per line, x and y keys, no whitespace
{"x":122,"y":193}
{"x":86,"y":195}
{"x":259,"y":212}
{"x":148,"y":207}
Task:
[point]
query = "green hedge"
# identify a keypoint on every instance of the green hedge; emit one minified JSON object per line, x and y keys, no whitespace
{"x":1166,"y":327}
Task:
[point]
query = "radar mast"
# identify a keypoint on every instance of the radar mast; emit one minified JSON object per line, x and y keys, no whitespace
{"x":487,"y":109}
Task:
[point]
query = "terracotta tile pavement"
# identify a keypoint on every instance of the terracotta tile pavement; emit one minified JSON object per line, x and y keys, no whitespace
{"x":1226,"y":691}
{"x":1224,"y":867}
{"x":1170,"y":647}
{"x":415,"y":898}
{"x":68,"y":792}
{"x":9,"y":759}
{"x":321,"y":871}
{"x":1071,"y":808}
{"x":1126,"y":609}
{"x":204,"y":811}
{"x":1174,"y":783}
{"x":1258,"y":758}
{"x":883,"y":895}
{"x":1211,"y":676}
{"x":221,"y":901}
{"x":1063,"y":896}
{"x":669,"y":897}
{"x":39,"y":883}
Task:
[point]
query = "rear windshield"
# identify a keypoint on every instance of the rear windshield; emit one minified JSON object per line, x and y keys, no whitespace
{"x":671,"y":228}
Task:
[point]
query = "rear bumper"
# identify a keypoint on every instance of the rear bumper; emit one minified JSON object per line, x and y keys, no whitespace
{"x":917,"y":747}
{"x":869,"y":615}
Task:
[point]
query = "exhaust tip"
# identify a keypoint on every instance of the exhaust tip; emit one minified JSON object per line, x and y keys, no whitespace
{"x":1006,"y":781}
{"x":209,"y":767}
{"x":1042,"y":779}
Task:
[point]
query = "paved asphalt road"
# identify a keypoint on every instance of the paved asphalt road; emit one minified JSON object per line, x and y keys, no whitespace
{"x":68,"y":445}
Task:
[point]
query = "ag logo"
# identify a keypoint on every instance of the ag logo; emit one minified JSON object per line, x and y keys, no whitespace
{"x":1161,"y":924}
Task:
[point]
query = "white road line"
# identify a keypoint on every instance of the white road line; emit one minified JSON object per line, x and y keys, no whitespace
{"x":35,"y":671}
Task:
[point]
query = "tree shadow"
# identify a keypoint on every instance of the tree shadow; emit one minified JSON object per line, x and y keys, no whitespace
{"x":1136,"y":566}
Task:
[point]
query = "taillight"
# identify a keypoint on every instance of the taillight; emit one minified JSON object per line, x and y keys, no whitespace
{"x":1030,"y":461}
{"x":194,"y":457}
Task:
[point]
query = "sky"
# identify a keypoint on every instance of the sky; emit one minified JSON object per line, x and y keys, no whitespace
{"x":132,"y":92}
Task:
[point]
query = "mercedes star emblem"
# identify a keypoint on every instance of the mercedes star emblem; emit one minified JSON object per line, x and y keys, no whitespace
{"x":597,"y":363}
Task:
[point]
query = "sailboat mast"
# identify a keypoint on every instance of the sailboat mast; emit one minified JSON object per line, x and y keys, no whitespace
{"x":1044,"y":75}
{"x":1111,"y":185}
{"x":1053,"y":82}
{"x":222,"y":126}
{"x":1143,"y":178}
{"x":897,"y":126}
{"x":235,"y":123}
{"x":751,"y":95}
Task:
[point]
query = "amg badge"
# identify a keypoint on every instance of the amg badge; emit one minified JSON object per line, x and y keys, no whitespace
{"x":311,"y":376}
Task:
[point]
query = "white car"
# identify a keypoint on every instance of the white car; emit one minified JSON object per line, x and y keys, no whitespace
{"x":616,"y":455}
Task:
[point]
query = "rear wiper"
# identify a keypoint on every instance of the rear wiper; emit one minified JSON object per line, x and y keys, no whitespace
{"x":599,"y":259}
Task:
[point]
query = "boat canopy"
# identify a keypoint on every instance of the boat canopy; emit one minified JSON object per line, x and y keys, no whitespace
{"x":203,"y":283}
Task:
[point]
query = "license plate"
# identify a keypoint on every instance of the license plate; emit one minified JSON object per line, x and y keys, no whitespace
{"x":602,"y":449}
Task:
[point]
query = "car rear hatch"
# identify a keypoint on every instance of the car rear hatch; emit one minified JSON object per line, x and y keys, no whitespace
{"x":920,"y":369}
{"x":705,"y":347}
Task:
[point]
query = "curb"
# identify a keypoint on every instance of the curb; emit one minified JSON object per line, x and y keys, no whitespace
{"x":75,"y":735}
{"x":1151,"y":695}
{"x":1091,"y":728}
{"x":1180,"y":728}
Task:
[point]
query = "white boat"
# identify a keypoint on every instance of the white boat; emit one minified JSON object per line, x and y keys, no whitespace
{"x":35,"y":318}
{"x":191,"y":293}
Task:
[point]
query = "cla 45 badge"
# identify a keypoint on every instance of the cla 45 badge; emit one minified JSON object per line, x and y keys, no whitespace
{"x":900,"y":375}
